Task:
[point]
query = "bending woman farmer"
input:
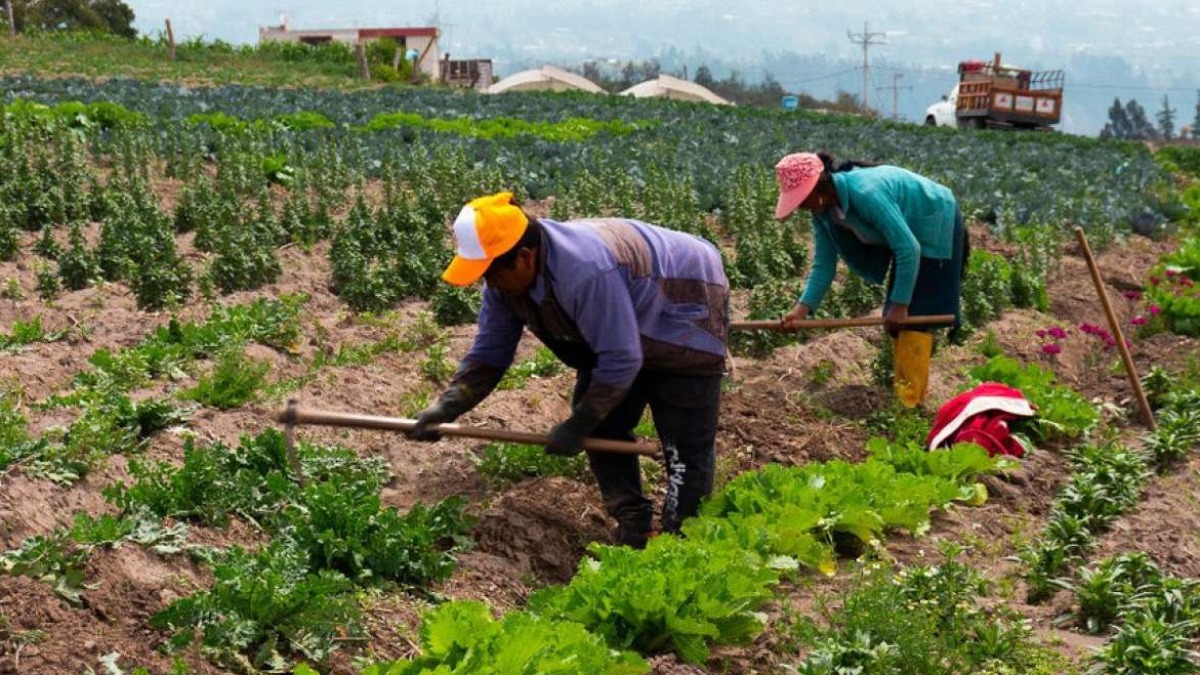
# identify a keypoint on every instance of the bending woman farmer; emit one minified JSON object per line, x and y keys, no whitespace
{"x":876,"y":218}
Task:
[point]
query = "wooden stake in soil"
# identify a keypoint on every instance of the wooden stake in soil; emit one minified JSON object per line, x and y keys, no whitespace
{"x":1130,"y":368}
{"x":364,"y":70}
{"x":170,"y":41}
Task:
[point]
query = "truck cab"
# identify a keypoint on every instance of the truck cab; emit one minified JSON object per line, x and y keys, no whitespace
{"x":944,"y":113}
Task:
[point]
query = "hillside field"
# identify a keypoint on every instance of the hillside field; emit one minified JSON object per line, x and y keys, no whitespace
{"x":179,"y":257}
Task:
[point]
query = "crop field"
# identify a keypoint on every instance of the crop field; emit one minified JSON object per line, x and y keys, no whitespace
{"x":176,"y":262}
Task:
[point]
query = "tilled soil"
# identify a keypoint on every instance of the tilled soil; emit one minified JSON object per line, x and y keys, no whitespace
{"x":533,"y":533}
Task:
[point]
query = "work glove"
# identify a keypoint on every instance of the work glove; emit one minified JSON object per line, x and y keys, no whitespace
{"x":452,"y":403}
{"x":566,"y":438}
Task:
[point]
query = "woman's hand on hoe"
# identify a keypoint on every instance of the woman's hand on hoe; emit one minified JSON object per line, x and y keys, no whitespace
{"x":893,"y":320}
{"x":791,"y":320}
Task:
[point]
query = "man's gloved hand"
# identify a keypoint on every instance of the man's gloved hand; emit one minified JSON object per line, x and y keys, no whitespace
{"x":566,"y":438}
{"x":452,"y":403}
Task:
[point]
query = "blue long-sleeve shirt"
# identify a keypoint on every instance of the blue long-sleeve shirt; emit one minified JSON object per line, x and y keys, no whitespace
{"x":614,"y":296}
{"x":888,"y":212}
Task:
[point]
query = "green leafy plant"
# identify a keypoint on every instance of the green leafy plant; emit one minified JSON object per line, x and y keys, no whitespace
{"x":234,"y":381}
{"x":543,"y":363}
{"x":252,"y":480}
{"x":48,"y":284}
{"x":436,"y":366}
{"x":262,"y":608}
{"x":1176,"y":435}
{"x":28,"y":332}
{"x":12,"y":290}
{"x":804,"y":512}
{"x":902,"y":425}
{"x":769,"y":300}
{"x":676,"y":595}
{"x":946,"y":627}
{"x":341,"y":526}
{"x":503,"y":463}
{"x":455,"y":305}
{"x":463,"y":637}
{"x":1150,"y":644}
{"x":54,"y":559}
{"x":110,"y":423}
{"x":1107,"y":591}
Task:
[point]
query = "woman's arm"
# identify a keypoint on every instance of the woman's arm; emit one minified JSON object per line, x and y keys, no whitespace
{"x":820,"y":277}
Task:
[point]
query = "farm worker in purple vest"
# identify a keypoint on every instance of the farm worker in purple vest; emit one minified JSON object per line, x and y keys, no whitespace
{"x":883,"y":221}
{"x":640,"y":312}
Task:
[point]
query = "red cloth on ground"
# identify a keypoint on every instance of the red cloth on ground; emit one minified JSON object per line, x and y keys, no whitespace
{"x":981,"y":416}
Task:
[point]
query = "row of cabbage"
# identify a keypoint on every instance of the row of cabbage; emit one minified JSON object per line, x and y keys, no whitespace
{"x":999,"y":177}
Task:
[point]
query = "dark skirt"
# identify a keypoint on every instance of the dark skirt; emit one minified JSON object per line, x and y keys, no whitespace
{"x":939,"y":282}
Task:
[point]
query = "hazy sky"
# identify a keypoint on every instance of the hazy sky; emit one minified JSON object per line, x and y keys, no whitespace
{"x":918,"y":31}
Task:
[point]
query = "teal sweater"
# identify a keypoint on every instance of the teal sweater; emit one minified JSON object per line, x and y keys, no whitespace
{"x":890,"y":212}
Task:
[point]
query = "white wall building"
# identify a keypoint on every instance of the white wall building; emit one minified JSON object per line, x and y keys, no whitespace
{"x":422,"y":39}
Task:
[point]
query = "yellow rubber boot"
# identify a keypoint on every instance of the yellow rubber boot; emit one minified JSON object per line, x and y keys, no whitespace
{"x":911,"y":351}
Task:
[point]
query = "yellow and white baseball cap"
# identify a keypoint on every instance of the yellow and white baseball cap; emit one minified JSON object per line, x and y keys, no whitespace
{"x":486,"y":228}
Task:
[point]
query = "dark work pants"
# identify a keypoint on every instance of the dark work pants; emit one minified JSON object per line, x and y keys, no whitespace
{"x":685,"y":409}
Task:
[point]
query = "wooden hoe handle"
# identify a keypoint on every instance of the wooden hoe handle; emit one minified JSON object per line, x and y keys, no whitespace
{"x":777,"y":324}
{"x":293,"y":415}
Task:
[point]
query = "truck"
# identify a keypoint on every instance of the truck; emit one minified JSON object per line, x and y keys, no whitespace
{"x":993,"y":95}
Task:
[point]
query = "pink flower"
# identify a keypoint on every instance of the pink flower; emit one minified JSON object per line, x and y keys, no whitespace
{"x":1058,"y":333}
{"x":1154,"y":281}
{"x":1110,"y":342}
{"x":1088,"y":328}
{"x":1171,"y":273}
{"x":1154,"y":310}
{"x":1132,"y":295}
{"x":1041,"y":334}
{"x":1185,"y":281}
{"x":1051,"y":348}
{"x":1138,"y":320}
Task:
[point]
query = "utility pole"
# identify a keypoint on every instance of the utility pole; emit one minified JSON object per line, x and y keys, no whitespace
{"x":895,"y":93}
{"x":866,"y":39}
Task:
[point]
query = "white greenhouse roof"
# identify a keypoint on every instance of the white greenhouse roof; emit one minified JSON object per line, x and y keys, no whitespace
{"x":666,"y":86}
{"x":544,"y":78}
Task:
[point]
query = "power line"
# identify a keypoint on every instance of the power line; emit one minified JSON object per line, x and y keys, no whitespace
{"x":1069,"y":83}
{"x":866,"y":39}
{"x":796,"y":83}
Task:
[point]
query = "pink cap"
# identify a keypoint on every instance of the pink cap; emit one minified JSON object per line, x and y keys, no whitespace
{"x":797,"y":176}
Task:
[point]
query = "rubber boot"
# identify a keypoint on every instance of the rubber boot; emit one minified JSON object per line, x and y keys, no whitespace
{"x":634,"y":531}
{"x":911,"y":351}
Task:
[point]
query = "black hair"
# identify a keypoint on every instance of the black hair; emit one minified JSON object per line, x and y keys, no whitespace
{"x":831,"y":165}
{"x":531,"y":239}
{"x":825,"y":182}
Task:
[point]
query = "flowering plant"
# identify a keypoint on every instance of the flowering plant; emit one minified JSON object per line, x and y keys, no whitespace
{"x":1174,"y":301}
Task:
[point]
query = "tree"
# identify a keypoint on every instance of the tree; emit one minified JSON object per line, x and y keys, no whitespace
{"x":704,"y":78}
{"x":1166,"y":119}
{"x":1118,"y":126}
{"x":109,"y":16}
{"x":118,"y":15}
{"x":1196,"y":120}
{"x":591,"y":71}
{"x":629,"y":76}
{"x":1140,"y":127}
